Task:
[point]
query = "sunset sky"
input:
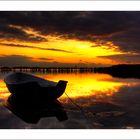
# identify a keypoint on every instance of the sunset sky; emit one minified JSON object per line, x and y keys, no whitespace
{"x":69,"y":38}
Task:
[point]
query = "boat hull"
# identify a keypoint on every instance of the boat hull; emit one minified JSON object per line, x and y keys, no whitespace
{"x":33,"y":89}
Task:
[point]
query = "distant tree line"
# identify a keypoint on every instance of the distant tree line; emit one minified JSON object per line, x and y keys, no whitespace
{"x":122,"y":70}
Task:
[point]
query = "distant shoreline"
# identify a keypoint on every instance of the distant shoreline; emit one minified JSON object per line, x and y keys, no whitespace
{"x":48,"y":69}
{"x":121,"y":70}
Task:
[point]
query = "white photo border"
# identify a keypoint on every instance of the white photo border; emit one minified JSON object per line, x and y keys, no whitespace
{"x":108,"y":134}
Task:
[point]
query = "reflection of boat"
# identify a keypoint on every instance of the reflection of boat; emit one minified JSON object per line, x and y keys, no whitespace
{"x":32,"y":111}
{"x":20,"y":83}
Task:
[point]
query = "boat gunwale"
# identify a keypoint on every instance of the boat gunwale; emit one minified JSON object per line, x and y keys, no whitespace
{"x":36,"y":79}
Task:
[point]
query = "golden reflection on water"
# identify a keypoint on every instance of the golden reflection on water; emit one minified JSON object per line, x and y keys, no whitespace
{"x":81,"y":85}
{"x":4,"y":93}
{"x":84,"y":85}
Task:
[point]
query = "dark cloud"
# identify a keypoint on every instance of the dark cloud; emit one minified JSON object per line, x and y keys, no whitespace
{"x":14,"y":60}
{"x":34,"y":47}
{"x":12,"y":33}
{"x":45,"y":58}
{"x":124,"y":58}
{"x":97,"y":23}
{"x":19,"y":60}
{"x":122,"y":28}
{"x":128,"y":41}
{"x":58,"y":50}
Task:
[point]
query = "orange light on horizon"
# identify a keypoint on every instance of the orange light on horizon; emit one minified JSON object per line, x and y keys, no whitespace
{"x":60,"y":49}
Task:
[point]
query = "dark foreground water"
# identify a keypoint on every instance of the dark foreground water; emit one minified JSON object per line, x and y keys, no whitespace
{"x":97,"y":101}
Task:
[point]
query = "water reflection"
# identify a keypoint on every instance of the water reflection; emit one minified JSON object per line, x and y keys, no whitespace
{"x":32,"y":110}
{"x":4,"y":93}
{"x":90,"y":84}
{"x":107,"y":102}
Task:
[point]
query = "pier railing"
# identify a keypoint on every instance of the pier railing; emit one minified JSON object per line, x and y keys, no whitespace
{"x":48,"y":69}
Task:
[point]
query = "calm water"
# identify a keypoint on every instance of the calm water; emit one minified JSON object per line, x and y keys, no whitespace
{"x":102,"y":102}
